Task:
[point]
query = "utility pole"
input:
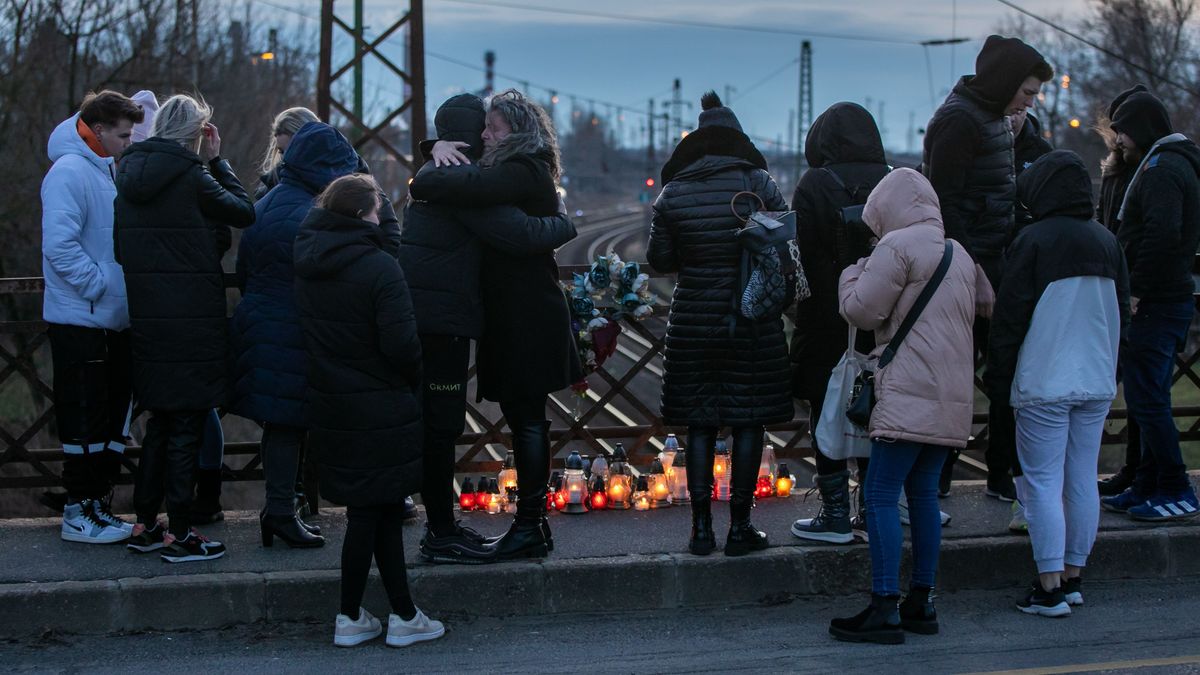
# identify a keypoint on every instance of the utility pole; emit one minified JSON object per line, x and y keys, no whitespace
{"x":650,"y":131}
{"x":489,"y":81}
{"x":357,"y":105}
{"x":676,"y":106}
{"x":806,"y":101}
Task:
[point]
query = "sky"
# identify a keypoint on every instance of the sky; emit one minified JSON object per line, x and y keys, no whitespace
{"x":626,"y":62}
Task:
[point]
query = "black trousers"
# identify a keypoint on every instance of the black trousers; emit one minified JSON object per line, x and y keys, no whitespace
{"x":444,"y":361}
{"x":93,"y":384}
{"x":281,"y":459}
{"x":1001,"y":454}
{"x":169,"y":454}
{"x":375,"y":532}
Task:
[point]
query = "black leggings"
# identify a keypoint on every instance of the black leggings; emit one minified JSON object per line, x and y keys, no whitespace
{"x":375,"y":531}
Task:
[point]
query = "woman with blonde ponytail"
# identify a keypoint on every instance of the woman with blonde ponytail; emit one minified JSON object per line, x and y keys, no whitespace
{"x":283,"y":129}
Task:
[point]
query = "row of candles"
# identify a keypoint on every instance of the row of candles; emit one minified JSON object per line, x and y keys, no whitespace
{"x":601,"y":485}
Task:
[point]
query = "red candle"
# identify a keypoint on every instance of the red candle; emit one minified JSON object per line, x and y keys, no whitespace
{"x":466,"y":501}
{"x":599,"y":500}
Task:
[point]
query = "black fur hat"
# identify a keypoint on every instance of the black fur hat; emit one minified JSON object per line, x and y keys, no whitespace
{"x":714,"y":113}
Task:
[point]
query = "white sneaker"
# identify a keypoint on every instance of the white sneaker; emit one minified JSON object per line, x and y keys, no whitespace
{"x":349,"y":633}
{"x":403,"y":633}
{"x":80,"y":524}
{"x":103,"y":510}
{"x":902,"y":505}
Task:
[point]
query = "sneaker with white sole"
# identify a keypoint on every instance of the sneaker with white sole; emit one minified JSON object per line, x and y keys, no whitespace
{"x":192,"y":548}
{"x":420,"y":628}
{"x":1041,"y":602}
{"x":1073,"y":591}
{"x":103,"y":510}
{"x":1162,"y":507}
{"x":349,"y":632}
{"x":1018,"y":524}
{"x":146,"y":539}
{"x":902,"y":505}
{"x":80,"y":524}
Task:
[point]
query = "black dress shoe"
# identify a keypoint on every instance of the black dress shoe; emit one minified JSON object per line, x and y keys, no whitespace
{"x":290,"y":530}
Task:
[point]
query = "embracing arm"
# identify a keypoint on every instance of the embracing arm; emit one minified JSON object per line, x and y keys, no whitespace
{"x":508,"y":229}
{"x":509,"y":182}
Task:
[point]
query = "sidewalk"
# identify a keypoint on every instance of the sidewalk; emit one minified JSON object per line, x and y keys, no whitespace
{"x":607,"y":560}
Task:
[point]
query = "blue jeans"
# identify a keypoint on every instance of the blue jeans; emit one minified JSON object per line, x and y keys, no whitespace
{"x":1156,"y":333}
{"x":916,"y":468}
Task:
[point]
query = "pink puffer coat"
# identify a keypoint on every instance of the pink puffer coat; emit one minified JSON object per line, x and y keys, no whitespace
{"x":926,"y":393}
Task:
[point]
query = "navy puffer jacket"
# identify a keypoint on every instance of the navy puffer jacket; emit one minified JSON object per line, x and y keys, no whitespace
{"x":269,"y":363}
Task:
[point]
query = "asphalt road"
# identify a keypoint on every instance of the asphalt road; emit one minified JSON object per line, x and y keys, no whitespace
{"x":1146,"y":627}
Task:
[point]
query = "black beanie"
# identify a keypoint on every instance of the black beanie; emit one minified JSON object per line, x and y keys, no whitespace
{"x":714,"y":114}
{"x":1001,"y":67}
{"x":1121,"y":97}
{"x":1143,"y":118}
{"x":462,"y":118}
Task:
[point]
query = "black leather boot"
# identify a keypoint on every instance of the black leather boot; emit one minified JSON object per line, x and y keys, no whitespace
{"x":747,"y":453}
{"x":832,"y":522}
{"x":290,"y":530}
{"x":917,"y":613}
{"x":529,"y":536}
{"x":312,"y":529}
{"x":878,"y":623}
{"x":206,"y":507}
{"x":703,"y":540}
{"x":700,"y":448}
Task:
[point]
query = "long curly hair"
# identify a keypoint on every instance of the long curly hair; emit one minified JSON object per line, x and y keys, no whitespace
{"x":532,"y":131}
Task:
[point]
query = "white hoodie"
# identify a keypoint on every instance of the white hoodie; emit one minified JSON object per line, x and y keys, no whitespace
{"x":84,"y":284}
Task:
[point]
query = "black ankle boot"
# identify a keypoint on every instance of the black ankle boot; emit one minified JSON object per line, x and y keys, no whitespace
{"x":703,"y":540}
{"x":743,"y":536}
{"x":312,"y":529}
{"x":524,"y":539}
{"x":290,"y":530}
{"x":917,"y":613}
{"x":878,"y":623}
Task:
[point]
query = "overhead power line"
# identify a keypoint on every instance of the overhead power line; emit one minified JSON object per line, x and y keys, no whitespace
{"x":1104,"y":50}
{"x":688,"y":22}
{"x":765,"y":79}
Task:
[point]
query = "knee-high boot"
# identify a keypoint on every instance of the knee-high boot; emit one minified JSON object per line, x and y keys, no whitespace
{"x":700,"y":444}
{"x":747,"y":453}
{"x":529,"y":535}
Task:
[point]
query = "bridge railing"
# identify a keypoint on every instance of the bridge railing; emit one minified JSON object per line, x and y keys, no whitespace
{"x":620,"y":406}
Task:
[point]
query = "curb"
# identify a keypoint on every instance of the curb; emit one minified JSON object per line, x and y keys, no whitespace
{"x":658,"y":581}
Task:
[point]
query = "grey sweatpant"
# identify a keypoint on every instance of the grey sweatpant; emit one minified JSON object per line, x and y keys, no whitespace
{"x":1059,"y":445}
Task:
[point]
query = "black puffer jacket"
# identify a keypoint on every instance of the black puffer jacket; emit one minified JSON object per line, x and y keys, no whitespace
{"x":1160,"y":216}
{"x":712,"y":378}
{"x":846,"y":161}
{"x":169,"y":209}
{"x":364,"y":361}
{"x":527,"y":349}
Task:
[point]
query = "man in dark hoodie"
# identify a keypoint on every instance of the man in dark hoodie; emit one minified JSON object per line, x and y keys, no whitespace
{"x":1115,"y":174}
{"x":846,"y":161}
{"x":1160,"y":231}
{"x":440,"y":252}
{"x":969,"y":160}
{"x":1053,"y":355}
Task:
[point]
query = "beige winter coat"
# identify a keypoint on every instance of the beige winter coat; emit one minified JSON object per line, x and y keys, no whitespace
{"x":926,"y":393}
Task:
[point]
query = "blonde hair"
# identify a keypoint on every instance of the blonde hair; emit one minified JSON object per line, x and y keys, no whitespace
{"x":182,"y":119}
{"x":287,"y":122}
{"x":1113,"y":162}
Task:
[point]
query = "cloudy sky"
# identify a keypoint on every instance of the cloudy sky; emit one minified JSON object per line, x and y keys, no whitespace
{"x":626,"y":62}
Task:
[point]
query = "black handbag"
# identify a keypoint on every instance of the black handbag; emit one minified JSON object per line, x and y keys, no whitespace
{"x":862,"y":394}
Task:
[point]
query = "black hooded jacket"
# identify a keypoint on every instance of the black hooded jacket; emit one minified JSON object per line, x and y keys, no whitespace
{"x":170,"y":212}
{"x":846,"y":161}
{"x":713,"y":378}
{"x":1063,"y":242}
{"x":1160,"y":225}
{"x":969,"y":148}
{"x":442,"y":245}
{"x":364,"y":362}
{"x":1115,"y":172}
